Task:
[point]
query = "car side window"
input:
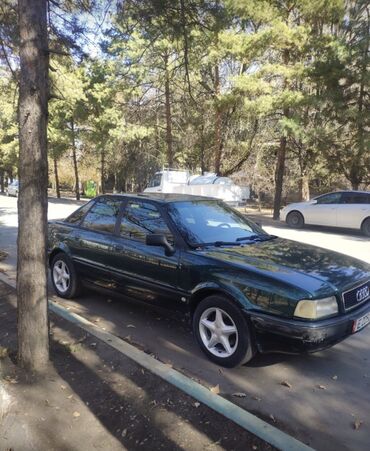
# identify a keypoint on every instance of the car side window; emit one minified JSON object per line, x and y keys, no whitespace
{"x":332,"y":198}
{"x":103,"y":215}
{"x":142,"y":218}
{"x":77,"y":215}
{"x":355,"y":198}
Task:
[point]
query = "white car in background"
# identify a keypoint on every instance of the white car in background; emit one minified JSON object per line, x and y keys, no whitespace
{"x":13,"y":188}
{"x":347,"y":209}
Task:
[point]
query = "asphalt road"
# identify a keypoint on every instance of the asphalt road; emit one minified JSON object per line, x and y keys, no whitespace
{"x":318,"y":398}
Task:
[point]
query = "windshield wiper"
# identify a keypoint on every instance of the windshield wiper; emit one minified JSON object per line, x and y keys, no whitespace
{"x":214,"y":243}
{"x":247,"y":238}
{"x":256,"y":238}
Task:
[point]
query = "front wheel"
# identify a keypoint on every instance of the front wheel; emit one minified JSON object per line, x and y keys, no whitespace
{"x":366,"y":227}
{"x":295,"y":220}
{"x":64,"y":277}
{"x":222,"y":332}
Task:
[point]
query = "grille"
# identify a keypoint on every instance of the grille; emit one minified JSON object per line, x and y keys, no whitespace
{"x":350,"y":297}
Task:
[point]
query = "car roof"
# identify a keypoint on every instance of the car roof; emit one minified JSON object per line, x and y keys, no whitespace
{"x":164,"y":198}
{"x":343,"y":192}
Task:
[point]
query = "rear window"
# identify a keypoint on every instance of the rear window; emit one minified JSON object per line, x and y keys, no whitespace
{"x":103,"y":215}
{"x":76,"y":216}
{"x":355,"y":198}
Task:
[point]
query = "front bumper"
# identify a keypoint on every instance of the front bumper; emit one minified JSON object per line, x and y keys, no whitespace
{"x":273,"y":334}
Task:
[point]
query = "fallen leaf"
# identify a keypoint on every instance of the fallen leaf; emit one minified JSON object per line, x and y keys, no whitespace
{"x":256,"y":398}
{"x":70,"y":397}
{"x":240,"y":395}
{"x":124,"y":433}
{"x":335,"y":378}
{"x":321,"y":387}
{"x":286,"y":384}
{"x":130,"y":325}
{"x":357,"y":424}
{"x":215,"y":389}
{"x":63,"y":387}
{"x":76,"y":414}
{"x":272,"y":418}
{"x":196,"y":404}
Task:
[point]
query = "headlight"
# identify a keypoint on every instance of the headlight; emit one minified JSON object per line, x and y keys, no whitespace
{"x":316,"y":309}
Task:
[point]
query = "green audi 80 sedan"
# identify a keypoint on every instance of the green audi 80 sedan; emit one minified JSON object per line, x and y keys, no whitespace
{"x":246,"y":291}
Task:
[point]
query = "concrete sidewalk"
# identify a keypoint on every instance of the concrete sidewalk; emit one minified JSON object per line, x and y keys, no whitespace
{"x":92,"y":397}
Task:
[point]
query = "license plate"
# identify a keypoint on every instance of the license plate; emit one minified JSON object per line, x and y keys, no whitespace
{"x":360,"y":323}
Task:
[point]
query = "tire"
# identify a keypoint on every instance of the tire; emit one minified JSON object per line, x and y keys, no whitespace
{"x":71,"y":286}
{"x":295,"y":220}
{"x":240,"y":349}
{"x":365,"y":227}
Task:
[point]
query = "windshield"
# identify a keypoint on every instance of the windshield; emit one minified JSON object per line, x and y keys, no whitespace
{"x":156,"y":181}
{"x":213,"y":222}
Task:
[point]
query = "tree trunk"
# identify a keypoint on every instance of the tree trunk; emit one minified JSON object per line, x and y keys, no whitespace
{"x":56,"y":175}
{"x":74,"y":156}
{"x":280,"y":164}
{"x":169,"y":140}
{"x":33,"y":333}
{"x":218,"y":144}
{"x":102,"y":171}
{"x":355,"y":186}
{"x":279,"y":177}
{"x":2,"y":184}
{"x":304,"y":187}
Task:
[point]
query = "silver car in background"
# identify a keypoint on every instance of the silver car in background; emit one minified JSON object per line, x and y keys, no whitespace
{"x":347,"y":209}
{"x":13,"y":188}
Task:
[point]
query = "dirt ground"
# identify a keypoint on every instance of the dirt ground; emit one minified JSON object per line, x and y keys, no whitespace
{"x":92,"y":397}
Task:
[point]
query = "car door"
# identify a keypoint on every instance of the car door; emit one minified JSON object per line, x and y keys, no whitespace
{"x":93,"y":241}
{"x":353,"y":209}
{"x":145,"y":272}
{"x":323,"y":211}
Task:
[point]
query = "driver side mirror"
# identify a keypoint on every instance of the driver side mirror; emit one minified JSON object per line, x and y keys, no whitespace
{"x":156,"y":239}
{"x":313,"y":202}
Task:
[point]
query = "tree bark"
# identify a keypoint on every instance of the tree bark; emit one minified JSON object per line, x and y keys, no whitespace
{"x":304,"y":187}
{"x":218,"y":143}
{"x":169,"y":140}
{"x":56,"y":175}
{"x":279,"y":176}
{"x":74,"y":156}
{"x":102,"y":171}
{"x":33,"y":333}
{"x":280,"y":164}
{"x":2,"y":184}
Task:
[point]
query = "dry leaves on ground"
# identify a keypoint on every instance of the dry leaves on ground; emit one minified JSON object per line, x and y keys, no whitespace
{"x":215,"y":389}
{"x":240,"y":395}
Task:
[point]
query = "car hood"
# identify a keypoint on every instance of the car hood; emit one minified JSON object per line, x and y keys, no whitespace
{"x":318,"y":272}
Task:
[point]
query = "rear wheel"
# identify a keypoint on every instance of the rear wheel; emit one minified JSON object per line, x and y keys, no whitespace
{"x":295,"y":219}
{"x":222,"y":332}
{"x":64,"y":277}
{"x":366,"y":227}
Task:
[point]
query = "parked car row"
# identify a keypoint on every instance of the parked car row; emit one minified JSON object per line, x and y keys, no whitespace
{"x":245,"y":291}
{"x":347,"y":209}
{"x":13,"y":188}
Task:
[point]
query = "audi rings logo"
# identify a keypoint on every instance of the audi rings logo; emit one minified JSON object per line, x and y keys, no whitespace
{"x":362,"y":294}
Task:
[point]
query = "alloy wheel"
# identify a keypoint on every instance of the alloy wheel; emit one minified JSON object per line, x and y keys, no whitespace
{"x":218,"y":332}
{"x":61,"y":276}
